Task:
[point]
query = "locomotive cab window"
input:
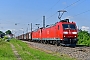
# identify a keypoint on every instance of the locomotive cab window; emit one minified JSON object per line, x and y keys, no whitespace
{"x":69,"y":26}
{"x":72,"y":26}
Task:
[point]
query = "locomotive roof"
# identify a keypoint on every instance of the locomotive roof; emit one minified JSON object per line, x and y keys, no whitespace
{"x":66,"y":20}
{"x":62,"y":21}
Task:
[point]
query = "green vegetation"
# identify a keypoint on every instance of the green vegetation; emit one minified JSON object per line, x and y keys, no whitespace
{"x":84,"y":38}
{"x":8,"y":32}
{"x":5,"y":38}
{"x":6,"y":52}
{"x":2,"y":34}
{"x":28,"y":53}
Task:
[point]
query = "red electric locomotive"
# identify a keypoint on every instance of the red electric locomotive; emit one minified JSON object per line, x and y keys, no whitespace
{"x":62,"y":32}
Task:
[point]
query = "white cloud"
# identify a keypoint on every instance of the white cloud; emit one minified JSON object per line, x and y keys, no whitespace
{"x":85,"y":28}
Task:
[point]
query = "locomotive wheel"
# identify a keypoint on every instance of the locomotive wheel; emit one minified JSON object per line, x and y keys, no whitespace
{"x":57,"y":43}
{"x":45,"y":41}
{"x":54,"y":42}
{"x":41,"y":41}
{"x":38,"y":41}
{"x":48,"y":41}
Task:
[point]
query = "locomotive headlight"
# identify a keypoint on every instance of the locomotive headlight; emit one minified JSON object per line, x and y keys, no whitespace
{"x":75,"y":36}
{"x":65,"y":32}
{"x":64,"y":36}
{"x":74,"y":32}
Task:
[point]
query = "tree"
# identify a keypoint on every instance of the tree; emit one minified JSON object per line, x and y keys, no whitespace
{"x":84,"y":38}
{"x":8,"y":32}
{"x":2,"y":34}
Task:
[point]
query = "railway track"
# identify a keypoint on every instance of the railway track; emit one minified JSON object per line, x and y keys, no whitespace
{"x":79,"y":52}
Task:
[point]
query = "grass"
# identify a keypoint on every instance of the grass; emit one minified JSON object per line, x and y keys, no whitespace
{"x":6,"y":52}
{"x":29,"y":53}
{"x":26,"y":52}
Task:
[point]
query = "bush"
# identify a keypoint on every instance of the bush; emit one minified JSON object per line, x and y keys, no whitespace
{"x":6,"y":38}
{"x":84,"y":38}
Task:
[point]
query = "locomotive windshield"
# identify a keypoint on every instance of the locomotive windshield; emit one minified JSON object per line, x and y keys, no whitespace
{"x":69,"y":26}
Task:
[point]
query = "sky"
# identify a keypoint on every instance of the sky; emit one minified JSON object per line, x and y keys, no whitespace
{"x":17,"y":15}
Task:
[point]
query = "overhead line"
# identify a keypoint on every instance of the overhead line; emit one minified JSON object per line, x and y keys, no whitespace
{"x":54,"y":5}
{"x":78,"y":4}
{"x":66,"y":7}
{"x":51,"y":16}
{"x":72,"y":4}
{"x":50,"y":9}
{"x":81,"y":13}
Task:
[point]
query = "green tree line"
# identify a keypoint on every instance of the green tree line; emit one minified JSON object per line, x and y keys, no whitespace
{"x":84,"y":38}
{"x":5,"y":33}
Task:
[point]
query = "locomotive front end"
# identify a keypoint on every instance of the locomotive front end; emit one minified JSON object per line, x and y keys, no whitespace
{"x":70,"y":33}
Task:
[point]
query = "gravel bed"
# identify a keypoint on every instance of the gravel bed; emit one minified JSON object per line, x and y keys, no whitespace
{"x":80,"y":53}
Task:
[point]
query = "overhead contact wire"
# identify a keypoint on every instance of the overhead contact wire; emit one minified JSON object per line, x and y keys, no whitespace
{"x":81,"y":13}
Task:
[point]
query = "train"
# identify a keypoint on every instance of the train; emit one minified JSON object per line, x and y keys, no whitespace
{"x":63,"y":32}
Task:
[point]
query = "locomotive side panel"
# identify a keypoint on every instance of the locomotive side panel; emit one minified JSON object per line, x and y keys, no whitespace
{"x":52,"y":33}
{"x":33,"y":35}
{"x":60,"y":31}
{"x":44,"y":34}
